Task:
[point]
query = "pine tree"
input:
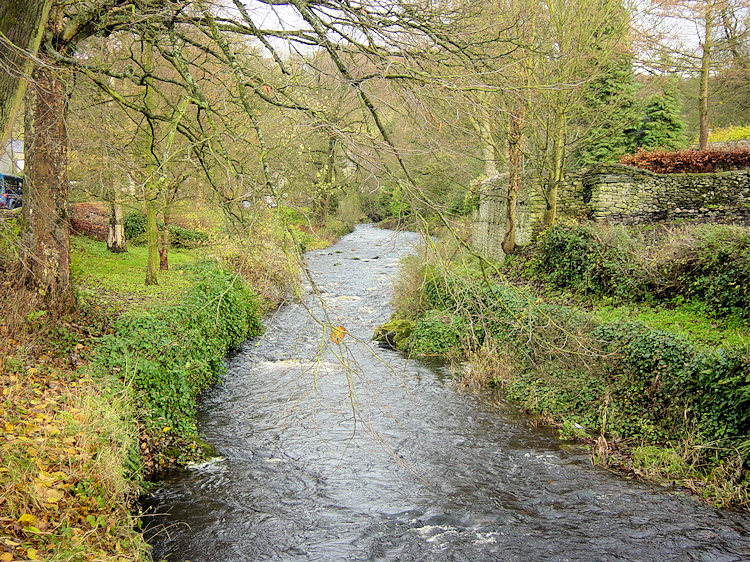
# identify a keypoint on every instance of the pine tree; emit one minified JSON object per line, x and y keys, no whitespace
{"x":613,"y":119}
{"x":662,"y":125}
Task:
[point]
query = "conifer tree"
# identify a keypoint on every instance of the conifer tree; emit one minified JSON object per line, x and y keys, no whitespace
{"x":662,"y":125}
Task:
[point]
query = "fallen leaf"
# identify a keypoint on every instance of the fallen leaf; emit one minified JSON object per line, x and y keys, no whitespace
{"x":26,"y":520}
{"x":54,"y":495}
{"x":337,"y":334}
{"x":6,"y":557}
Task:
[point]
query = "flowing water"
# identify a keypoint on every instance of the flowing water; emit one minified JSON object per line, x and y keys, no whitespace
{"x":331,"y":453}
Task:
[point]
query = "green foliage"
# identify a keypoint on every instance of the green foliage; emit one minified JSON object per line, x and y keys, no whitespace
{"x":574,"y":397}
{"x":575,"y":256}
{"x":611,"y":101}
{"x":721,"y":381}
{"x":134,"y":224}
{"x":395,"y":202}
{"x":170,"y":353}
{"x":185,"y":237}
{"x":647,"y":380}
{"x":437,"y":333}
{"x":709,"y":264}
{"x":662,"y":461}
{"x":690,"y":319}
{"x":662,"y":126}
{"x":716,"y":270}
{"x":729,"y":134}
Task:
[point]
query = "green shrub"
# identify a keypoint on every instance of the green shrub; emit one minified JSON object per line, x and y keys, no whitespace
{"x":714,"y":269}
{"x":437,"y":333}
{"x":185,"y":237}
{"x":134,"y":224}
{"x":575,"y":256}
{"x":648,"y":377}
{"x":706,"y":263}
{"x":720,"y":383}
{"x":395,"y":202}
{"x":171,"y":353}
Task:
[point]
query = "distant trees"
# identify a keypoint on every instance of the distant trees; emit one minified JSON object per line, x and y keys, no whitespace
{"x":706,"y":40}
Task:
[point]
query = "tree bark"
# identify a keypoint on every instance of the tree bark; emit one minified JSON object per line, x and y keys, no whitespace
{"x":705,"y":70}
{"x":556,"y":165}
{"x":116,"y":233}
{"x":46,"y":241}
{"x":21,"y":28}
{"x":152,"y":236}
{"x":164,"y":241}
{"x":515,"y":172}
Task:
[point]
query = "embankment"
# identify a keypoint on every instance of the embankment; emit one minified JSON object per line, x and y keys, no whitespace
{"x":636,"y":341}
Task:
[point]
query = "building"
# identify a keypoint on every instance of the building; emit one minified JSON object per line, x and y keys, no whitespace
{"x":12,"y":158}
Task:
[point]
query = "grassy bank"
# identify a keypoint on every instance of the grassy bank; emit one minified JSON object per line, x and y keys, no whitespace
{"x":636,"y":341}
{"x":95,"y":402}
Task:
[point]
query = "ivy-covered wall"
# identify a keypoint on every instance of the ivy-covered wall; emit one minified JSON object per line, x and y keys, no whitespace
{"x":614,"y":193}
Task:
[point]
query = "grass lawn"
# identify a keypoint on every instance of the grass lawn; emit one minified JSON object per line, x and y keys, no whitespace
{"x":119,"y":278}
{"x":690,"y":320}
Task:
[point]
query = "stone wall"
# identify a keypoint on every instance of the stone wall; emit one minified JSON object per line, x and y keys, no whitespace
{"x":614,"y":193}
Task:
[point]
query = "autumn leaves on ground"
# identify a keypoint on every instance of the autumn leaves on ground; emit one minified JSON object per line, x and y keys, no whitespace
{"x":64,"y":445}
{"x":80,"y":430}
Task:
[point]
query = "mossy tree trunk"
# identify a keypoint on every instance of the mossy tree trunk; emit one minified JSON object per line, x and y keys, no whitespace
{"x":164,"y":240}
{"x":45,"y":256}
{"x":556,"y":166}
{"x":21,"y":28}
{"x":152,"y":233}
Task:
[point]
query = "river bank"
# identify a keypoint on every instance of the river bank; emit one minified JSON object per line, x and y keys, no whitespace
{"x":639,"y":347}
{"x":95,"y":402}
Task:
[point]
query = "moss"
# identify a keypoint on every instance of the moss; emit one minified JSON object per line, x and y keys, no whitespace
{"x":396,"y":333}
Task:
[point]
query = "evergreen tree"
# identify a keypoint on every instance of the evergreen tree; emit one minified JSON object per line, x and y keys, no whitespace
{"x":662,"y":125}
{"x":613,"y":119}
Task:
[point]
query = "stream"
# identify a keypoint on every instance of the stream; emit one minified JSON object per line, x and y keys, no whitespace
{"x":349,"y":453}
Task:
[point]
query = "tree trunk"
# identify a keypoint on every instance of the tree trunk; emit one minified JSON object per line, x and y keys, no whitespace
{"x":152,"y":236}
{"x":705,"y":69}
{"x":515,"y":172}
{"x":164,"y":242}
{"x":556,"y":165}
{"x":116,"y":233}
{"x":22,"y":24}
{"x":46,"y":242}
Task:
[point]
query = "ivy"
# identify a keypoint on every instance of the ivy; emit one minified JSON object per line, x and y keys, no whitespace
{"x":171,"y":353}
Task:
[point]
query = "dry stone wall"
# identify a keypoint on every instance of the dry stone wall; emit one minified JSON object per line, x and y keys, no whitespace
{"x":617,"y":194}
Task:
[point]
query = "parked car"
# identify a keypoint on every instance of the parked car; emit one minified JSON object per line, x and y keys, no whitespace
{"x":11,"y":191}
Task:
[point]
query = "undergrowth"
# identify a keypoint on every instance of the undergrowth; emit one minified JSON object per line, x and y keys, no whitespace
{"x":660,"y":372}
{"x":168,"y":354}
